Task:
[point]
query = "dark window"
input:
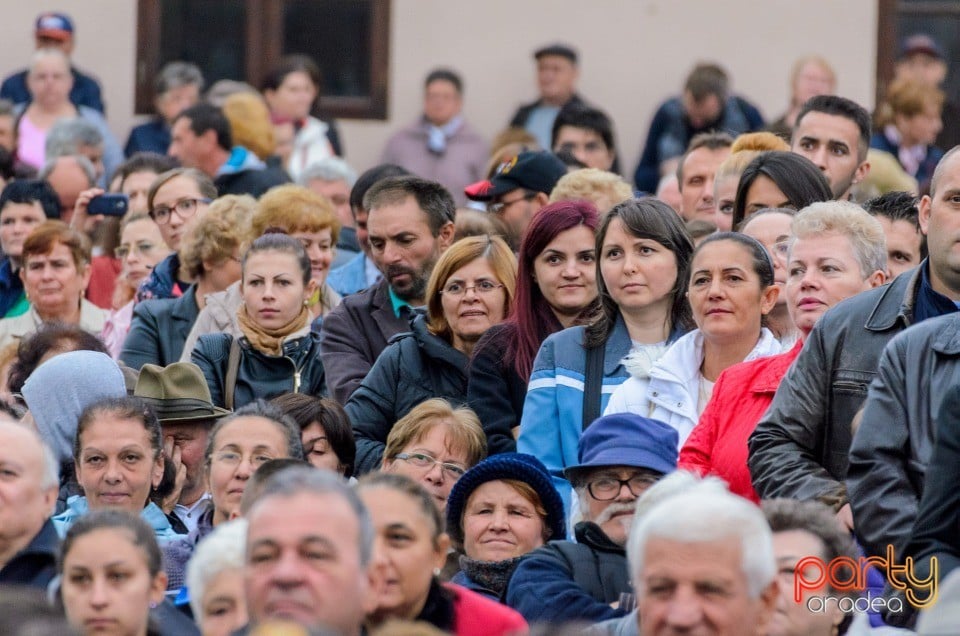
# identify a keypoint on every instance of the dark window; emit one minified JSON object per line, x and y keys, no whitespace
{"x":243,"y":39}
{"x":940,"y":19}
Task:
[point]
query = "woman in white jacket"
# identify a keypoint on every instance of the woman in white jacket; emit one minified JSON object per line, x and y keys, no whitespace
{"x":731,"y":291}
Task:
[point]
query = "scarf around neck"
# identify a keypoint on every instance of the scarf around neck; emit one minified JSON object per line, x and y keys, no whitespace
{"x":437,"y":136}
{"x":491,"y":575}
{"x":270,"y":341}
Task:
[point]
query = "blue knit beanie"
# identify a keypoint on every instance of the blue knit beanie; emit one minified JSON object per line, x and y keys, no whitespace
{"x":515,"y":466}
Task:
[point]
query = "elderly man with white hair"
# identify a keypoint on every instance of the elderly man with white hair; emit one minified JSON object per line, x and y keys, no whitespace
{"x":333,"y":178}
{"x":28,"y":494}
{"x":703,"y":562}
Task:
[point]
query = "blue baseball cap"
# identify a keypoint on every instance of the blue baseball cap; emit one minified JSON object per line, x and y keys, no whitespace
{"x":626,"y":439}
{"x":56,"y":26}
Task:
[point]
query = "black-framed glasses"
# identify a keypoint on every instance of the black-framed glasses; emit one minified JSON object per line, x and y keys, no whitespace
{"x":457,"y":290}
{"x":608,"y":488}
{"x":185,"y":208}
{"x":498,"y":208}
{"x":425,"y":462}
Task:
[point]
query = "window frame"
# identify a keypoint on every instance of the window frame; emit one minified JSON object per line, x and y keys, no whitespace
{"x":264,"y":36}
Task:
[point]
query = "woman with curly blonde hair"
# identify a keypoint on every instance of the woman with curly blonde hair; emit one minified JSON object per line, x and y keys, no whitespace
{"x":209,"y":256}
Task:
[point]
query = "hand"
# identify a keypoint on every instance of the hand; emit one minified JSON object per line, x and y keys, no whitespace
{"x":80,"y":220}
{"x":172,"y":452}
{"x":845,"y":517}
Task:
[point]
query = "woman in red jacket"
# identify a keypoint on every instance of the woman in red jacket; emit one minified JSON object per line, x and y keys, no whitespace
{"x":409,"y":549}
{"x":835,"y":250}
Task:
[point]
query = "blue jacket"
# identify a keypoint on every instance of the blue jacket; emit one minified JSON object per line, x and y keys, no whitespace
{"x":77,"y":507}
{"x":552,"y":412}
{"x":565,"y":581}
{"x":36,"y":564}
{"x":162,"y":281}
{"x":11,"y":287}
{"x":85,"y":91}
{"x":670,"y":132}
{"x":153,"y":136}
{"x":924,"y":172}
{"x":350,"y":277}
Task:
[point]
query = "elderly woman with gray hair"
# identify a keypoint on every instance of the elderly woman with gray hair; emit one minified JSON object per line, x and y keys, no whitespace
{"x":215,"y":580}
{"x":178,"y":88}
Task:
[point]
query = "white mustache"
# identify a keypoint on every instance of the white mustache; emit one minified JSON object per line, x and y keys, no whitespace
{"x":614,"y":509}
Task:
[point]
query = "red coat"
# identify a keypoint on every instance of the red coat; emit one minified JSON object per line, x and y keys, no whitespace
{"x":718,"y":443}
{"x":477,"y":615}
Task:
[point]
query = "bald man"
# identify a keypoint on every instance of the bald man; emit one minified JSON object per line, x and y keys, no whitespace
{"x":28,"y":494}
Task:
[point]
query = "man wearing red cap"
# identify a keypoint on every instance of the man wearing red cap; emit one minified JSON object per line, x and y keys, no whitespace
{"x":518,"y":190}
{"x":55,"y":31}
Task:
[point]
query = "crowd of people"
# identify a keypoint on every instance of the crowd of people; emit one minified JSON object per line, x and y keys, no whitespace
{"x":486,"y":387}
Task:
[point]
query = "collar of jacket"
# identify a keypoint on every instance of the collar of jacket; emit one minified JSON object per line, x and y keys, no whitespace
{"x":45,"y":542}
{"x":436,"y":347}
{"x":774,"y":368}
{"x":947,"y":340}
{"x":591,"y":535}
{"x":674,"y":378}
{"x":895,"y":304}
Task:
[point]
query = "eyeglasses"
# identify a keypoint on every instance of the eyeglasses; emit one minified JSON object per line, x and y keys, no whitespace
{"x":233,"y":458}
{"x":608,"y":488}
{"x":425,"y":462}
{"x":781,"y":249}
{"x":140,"y":248}
{"x":185,"y":208}
{"x":498,"y":208}
{"x":456,"y":290}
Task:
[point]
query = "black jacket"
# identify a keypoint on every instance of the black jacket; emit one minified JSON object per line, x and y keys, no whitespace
{"x":566,"y":581}
{"x":158,"y":330}
{"x":253,"y":182}
{"x":909,"y":402}
{"x":494,"y":390}
{"x":416,"y":366}
{"x":936,"y":532}
{"x":260,"y":375}
{"x":35,"y":565}
{"x":799,"y":449}
{"x":354,"y":334}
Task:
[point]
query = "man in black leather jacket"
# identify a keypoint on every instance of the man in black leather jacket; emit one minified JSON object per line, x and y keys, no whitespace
{"x":799,"y":449}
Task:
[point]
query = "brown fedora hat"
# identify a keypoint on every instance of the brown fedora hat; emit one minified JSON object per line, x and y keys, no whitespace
{"x":177,"y":392}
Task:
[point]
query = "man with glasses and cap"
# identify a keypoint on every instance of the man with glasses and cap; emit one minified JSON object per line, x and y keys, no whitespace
{"x":179,"y":395}
{"x":518,"y":190}
{"x":620,"y":457}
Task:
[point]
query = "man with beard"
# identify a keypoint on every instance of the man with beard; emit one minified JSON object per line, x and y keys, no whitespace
{"x":409,"y":225}
{"x":620,"y":457}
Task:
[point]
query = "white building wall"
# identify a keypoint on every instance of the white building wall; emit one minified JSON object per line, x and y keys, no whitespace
{"x":634,"y":53}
